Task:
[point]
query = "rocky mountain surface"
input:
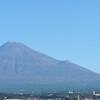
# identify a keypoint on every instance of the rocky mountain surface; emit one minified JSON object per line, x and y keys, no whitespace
{"x":22,"y":67}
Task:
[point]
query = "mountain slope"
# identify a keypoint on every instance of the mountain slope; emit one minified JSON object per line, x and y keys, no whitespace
{"x":21,"y":65}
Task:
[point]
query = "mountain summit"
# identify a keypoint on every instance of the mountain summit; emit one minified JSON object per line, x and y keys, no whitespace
{"x":23,"y":67}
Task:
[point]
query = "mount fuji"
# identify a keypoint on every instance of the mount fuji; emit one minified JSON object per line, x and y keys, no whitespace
{"x":22,"y":68}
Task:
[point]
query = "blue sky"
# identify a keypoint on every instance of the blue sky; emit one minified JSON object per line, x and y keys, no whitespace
{"x":63,"y":29}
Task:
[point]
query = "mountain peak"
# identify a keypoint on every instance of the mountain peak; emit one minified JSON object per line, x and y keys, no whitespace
{"x":9,"y":42}
{"x":13,"y":43}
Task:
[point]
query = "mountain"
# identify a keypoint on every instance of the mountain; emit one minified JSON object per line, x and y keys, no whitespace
{"x":22,"y":68}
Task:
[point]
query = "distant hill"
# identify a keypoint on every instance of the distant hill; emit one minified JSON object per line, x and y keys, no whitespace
{"x":24,"y":69}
